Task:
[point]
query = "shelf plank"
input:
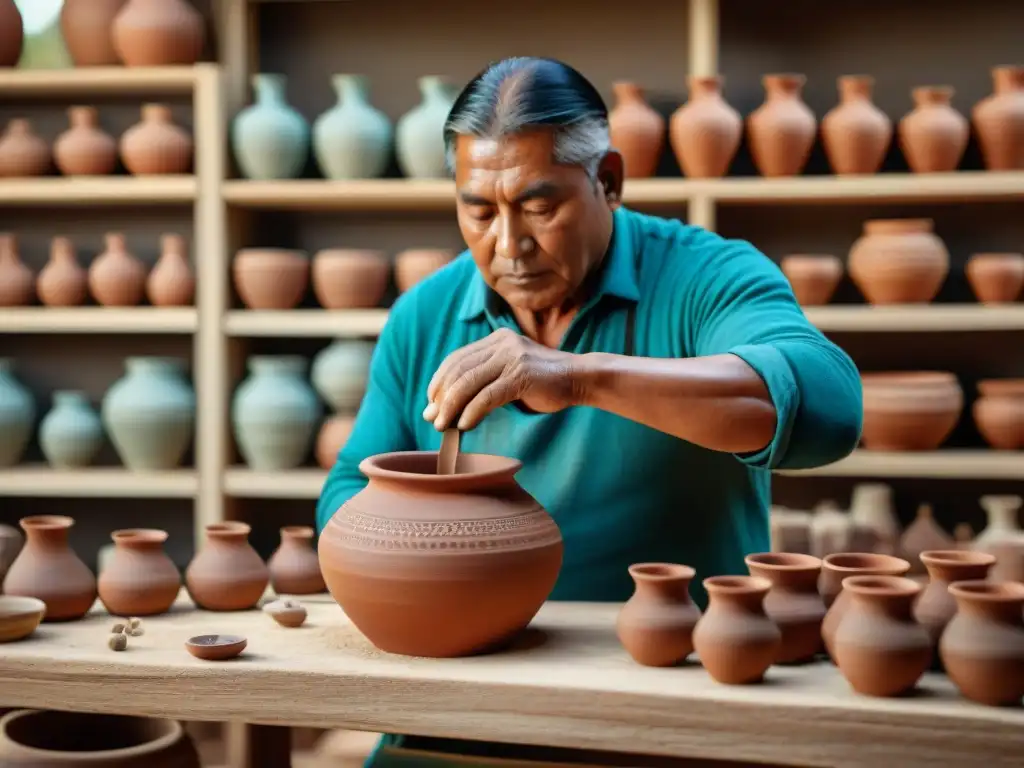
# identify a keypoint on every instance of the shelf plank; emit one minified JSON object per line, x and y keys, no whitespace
{"x":127,"y":320}
{"x":99,"y":190}
{"x":920,"y":317}
{"x":305,"y":323}
{"x":952,"y":464}
{"x":356,"y":195}
{"x":96,"y":482}
{"x":245,"y":483}
{"x":97,"y":81}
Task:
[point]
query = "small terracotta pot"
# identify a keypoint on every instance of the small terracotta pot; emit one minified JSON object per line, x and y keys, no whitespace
{"x":17,"y":283}
{"x":332,"y":438}
{"x":116,"y":277}
{"x":62,"y":282}
{"x":982,"y":648}
{"x":913,"y":411}
{"x":270,"y":278}
{"x":156,"y":146}
{"x":227,"y":574}
{"x":793,"y":602}
{"x":999,"y":120}
{"x":345,"y":278}
{"x":933,"y":135}
{"x":814,"y":278}
{"x":637,"y":131}
{"x":878,"y":646}
{"x":898,"y":261}
{"x":655,"y":626}
{"x":735,"y":639}
{"x":706,"y":131}
{"x":294,"y":567}
{"x":996,"y":278}
{"x":22,"y":152}
{"x":85,"y":149}
{"x":139,"y":579}
{"x":782,"y":130}
{"x":999,"y":413}
{"x":414,"y":265}
{"x":936,"y":606}
{"x":171,"y":282}
{"x":856,"y":134}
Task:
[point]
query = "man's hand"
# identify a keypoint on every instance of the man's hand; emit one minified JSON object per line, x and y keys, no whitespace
{"x":502,"y":368}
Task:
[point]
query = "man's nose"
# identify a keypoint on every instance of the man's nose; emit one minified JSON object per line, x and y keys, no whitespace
{"x":509,"y":240}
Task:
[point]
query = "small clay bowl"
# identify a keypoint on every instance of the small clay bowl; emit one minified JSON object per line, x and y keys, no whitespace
{"x":215,"y":647}
{"x":287,"y":613}
{"x":19,"y":617}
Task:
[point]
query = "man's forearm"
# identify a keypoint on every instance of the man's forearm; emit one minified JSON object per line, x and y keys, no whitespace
{"x":717,"y":402}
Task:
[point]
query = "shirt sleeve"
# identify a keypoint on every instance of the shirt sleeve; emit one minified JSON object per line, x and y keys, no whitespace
{"x":740,"y":303}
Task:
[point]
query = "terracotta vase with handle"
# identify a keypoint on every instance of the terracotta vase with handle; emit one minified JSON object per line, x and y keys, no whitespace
{"x":637,"y":130}
{"x":706,"y":131}
{"x":655,"y":626}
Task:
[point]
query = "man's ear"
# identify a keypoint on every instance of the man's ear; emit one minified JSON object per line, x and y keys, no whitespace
{"x":610,"y":174}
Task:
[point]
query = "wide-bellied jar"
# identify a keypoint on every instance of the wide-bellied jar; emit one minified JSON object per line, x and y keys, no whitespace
{"x":440,"y":565}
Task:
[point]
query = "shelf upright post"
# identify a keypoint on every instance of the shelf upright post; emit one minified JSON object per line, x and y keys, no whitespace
{"x":703,"y":60}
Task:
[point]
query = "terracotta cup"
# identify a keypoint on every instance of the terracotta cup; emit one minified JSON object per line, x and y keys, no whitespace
{"x":139,"y":579}
{"x":656,"y":624}
{"x":936,"y":606}
{"x":793,"y":603}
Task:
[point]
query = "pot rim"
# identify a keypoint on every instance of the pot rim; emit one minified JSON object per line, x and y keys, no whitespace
{"x":956,"y":557}
{"x":175,"y":732}
{"x":736,"y":585}
{"x":875,"y":561}
{"x":20,"y":607}
{"x":899,"y":226}
{"x":1001,"y":387}
{"x":378,"y":467}
{"x":228,"y":528}
{"x":661,"y":571}
{"x":912,"y":378}
{"x":784,"y":561}
{"x":297,"y":532}
{"x":46,"y":522}
{"x":881,"y":585}
{"x":139,"y":535}
{"x":982,"y":590}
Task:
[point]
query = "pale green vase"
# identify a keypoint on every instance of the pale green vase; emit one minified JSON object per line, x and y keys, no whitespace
{"x":17,"y":415}
{"x":71,"y":434}
{"x":270,"y":139}
{"x":420,"y":132}
{"x":353,"y":139}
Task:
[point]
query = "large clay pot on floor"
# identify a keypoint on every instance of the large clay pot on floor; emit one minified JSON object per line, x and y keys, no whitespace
{"x":912,"y":411}
{"x":440,"y":566}
{"x":898,"y":261}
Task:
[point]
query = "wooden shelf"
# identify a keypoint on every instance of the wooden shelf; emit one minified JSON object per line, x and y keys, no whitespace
{"x":99,"y":190}
{"x":127,"y":320}
{"x":98,"y":81}
{"x":245,"y":483}
{"x":920,"y":317}
{"x":104,"y":482}
{"x":952,"y":464}
{"x":305,"y":323}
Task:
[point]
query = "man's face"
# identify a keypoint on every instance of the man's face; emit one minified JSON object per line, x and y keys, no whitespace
{"x":511,"y":194}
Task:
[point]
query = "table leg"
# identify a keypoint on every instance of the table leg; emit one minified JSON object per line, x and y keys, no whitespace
{"x":258,"y":746}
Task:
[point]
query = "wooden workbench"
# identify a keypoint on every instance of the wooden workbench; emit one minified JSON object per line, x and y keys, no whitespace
{"x":567,"y":684}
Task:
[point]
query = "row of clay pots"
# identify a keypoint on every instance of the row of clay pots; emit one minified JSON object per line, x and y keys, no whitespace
{"x":149,"y":415}
{"x":881,"y":628}
{"x":918,"y":410}
{"x":156,"y":146}
{"x":705,"y":133}
{"x":115,"y":278}
{"x":343,"y":278}
{"x":139,"y":579}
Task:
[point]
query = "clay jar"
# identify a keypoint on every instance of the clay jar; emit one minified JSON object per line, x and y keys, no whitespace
{"x":913,"y":411}
{"x":656,"y":624}
{"x":139,"y":579}
{"x":49,"y":570}
{"x":996,"y":278}
{"x":878,"y":646}
{"x":735,"y":639}
{"x":814,"y":278}
{"x":836,"y":568}
{"x":156,"y":146}
{"x":17,"y":284}
{"x":414,"y":265}
{"x":270,"y":278}
{"x":898,"y":261}
{"x":346,"y":278}
{"x":933,"y":135}
{"x":116,"y":277}
{"x":331,"y":439}
{"x":22,"y":152}
{"x":294,"y":566}
{"x":793,"y":602}
{"x":85,"y":149}
{"x":227,"y":574}
{"x":999,"y":413}
{"x":999,"y":121}
{"x":86,"y":27}
{"x":440,"y":565}
{"x":705,"y":132}
{"x":856,"y":134}
{"x":171,"y":282}
{"x":782,"y":130}
{"x":158,"y":33}
{"x":12,"y":33}
{"x":982,"y":648}
{"x":935,"y":606}
{"x":637,"y":131}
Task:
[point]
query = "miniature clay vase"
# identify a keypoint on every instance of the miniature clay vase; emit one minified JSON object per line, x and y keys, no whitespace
{"x":637,"y":131}
{"x":227,"y":574}
{"x":171,"y":282}
{"x":17,"y":415}
{"x":156,"y":146}
{"x":340,"y":373}
{"x":274,"y":413}
{"x":419,"y":133}
{"x":150,"y":414}
{"x":793,"y":602}
{"x":912,"y":411}
{"x":139,"y":579}
{"x":898,"y":261}
{"x":836,"y":568}
{"x":87,"y":27}
{"x":933,"y":135}
{"x":878,"y":646}
{"x":655,"y":625}
{"x":62,"y":282}
{"x":936,"y":606}
{"x":982,"y":647}
{"x":116,"y":277}
{"x":85,"y":149}
{"x":782,"y":130}
{"x":71,"y":434}
{"x":49,"y":570}
{"x":158,"y":33}
{"x":705,"y":132}
{"x":996,"y":278}
{"x":17,"y":283}
{"x":856,"y":134}
{"x":413,"y":556}
{"x":349,"y":278}
{"x":871,"y":508}
{"x":270,"y":139}
{"x":735,"y":639}
{"x":12,"y":33}
{"x":999,"y":121}
{"x":270,"y":278}
{"x":814,"y":278}
{"x":294,"y":566}
{"x":417,"y":264}
{"x":22,"y":152}
{"x":999,"y":413}
{"x":353,"y":139}
{"x":331,"y":438}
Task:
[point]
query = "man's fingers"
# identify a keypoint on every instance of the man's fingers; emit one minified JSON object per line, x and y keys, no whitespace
{"x":499,"y":392}
{"x":472,"y":381}
{"x":453,"y":360}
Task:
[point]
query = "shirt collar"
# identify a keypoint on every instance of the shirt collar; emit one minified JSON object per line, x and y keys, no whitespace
{"x":618,"y":272}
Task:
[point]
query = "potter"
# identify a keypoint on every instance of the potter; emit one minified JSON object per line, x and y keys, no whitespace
{"x":648,"y":374}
